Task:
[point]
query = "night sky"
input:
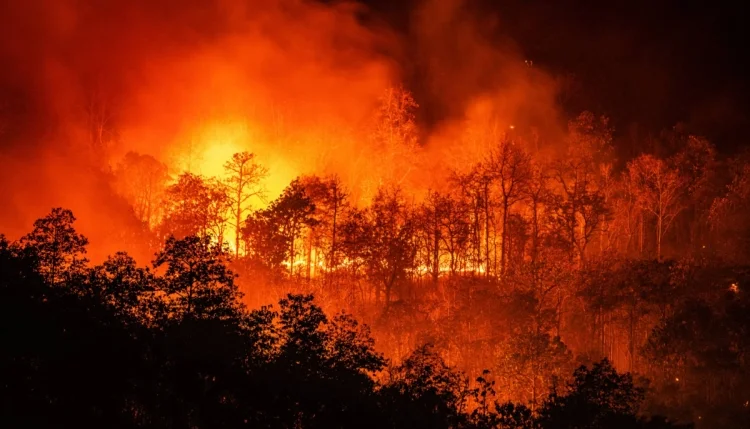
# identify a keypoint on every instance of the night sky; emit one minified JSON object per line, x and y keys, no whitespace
{"x":646,"y":64}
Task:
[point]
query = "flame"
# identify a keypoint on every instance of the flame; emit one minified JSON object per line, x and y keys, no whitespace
{"x":210,"y":145}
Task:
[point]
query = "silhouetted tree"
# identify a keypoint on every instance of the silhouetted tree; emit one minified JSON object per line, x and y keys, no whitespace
{"x":510,"y":167}
{"x":659,"y":189}
{"x":598,"y":397}
{"x":579,"y":208}
{"x":195,"y":206}
{"x":243,"y":182}
{"x":331,"y":203}
{"x":389,"y":251}
{"x":282,"y":223}
{"x":127,"y":288}
{"x":58,"y":248}
{"x":197,"y":280}
{"x":142,"y":180}
{"x":424,"y":392}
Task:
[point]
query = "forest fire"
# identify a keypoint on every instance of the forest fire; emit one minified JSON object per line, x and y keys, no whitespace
{"x":213,"y":144}
{"x":459,"y":221}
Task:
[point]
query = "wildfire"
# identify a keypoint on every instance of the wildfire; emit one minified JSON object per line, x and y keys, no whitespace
{"x":210,"y":145}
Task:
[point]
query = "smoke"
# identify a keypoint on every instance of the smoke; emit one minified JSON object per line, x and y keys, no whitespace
{"x":479,"y":85}
{"x":192,"y":81}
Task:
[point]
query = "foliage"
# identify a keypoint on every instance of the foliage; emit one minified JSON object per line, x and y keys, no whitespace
{"x":142,"y":180}
{"x":130,"y":347}
{"x":272,"y":232}
{"x":197,"y":282}
{"x":56,"y":246}
{"x":242,"y":184}
{"x":195,"y":206}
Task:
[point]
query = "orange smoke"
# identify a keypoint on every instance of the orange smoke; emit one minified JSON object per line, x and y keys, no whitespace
{"x":296,"y":82}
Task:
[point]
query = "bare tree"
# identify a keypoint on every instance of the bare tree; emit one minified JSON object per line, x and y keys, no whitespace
{"x":430,"y":220}
{"x":141,"y":179}
{"x":331,"y":201}
{"x":395,"y":133}
{"x":243,"y":182}
{"x":579,"y":206}
{"x":100,"y":122}
{"x":537,"y":195}
{"x":471,"y":187}
{"x":659,"y":191}
{"x":389,"y":245}
{"x":510,"y":166}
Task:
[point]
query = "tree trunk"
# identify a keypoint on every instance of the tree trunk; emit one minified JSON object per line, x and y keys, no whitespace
{"x":659,"y":220}
{"x":535,"y":239}
{"x":487,"y":229}
{"x":309,"y":258}
{"x":503,"y":246}
{"x":436,"y":251}
{"x":332,"y":256}
{"x":291,"y":256}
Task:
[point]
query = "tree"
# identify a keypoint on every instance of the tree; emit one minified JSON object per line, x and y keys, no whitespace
{"x":141,"y":180}
{"x":243,"y":182}
{"x":355,"y":239}
{"x":533,"y":362}
{"x":331,"y":202}
{"x":510,"y":167}
{"x":597,"y":397}
{"x":537,"y":195}
{"x":187,"y":354}
{"x":315,"y":371}
{"x":456,"y":231}
{"x":395,"y":133}
{"x":58,"y":248}
{"x":434,"y":391}
{"x":350,"y":346}
{"x":390,"y":250}
{"x":728,"y":215}
{"x":430,"y":219}
{"x":282,"y":223}
{"x":697,"y":166}
{"x":100,"y":121}
{"x":579,"y":209}
{"x":489,"y":414}
{"x":125,"y":287}
{"x":699,"y":351}
{"x":195,"y":206}
{"x":576,"y":216}
{"x":474,"y":189}
{"x":301,"y":323}
{"x":659,"y":191}
{"x":197,"y":280}
{"x":264,"y":242}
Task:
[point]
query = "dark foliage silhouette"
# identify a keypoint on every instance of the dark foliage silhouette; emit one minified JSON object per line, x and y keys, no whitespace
{"x":123,"y":346}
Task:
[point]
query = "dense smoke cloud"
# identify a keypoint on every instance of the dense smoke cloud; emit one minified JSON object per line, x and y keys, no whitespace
{"x":480,"y":86}
{"x":190,"y":82}
{"x":465,"y":60}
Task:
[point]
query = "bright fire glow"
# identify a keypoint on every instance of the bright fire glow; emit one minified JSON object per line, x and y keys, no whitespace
{"x":212,"y":144}
{"x":209,"y":145}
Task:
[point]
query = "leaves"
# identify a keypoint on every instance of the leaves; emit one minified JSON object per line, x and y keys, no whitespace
{"x":59,"y":249}
{"x":197,"y":280}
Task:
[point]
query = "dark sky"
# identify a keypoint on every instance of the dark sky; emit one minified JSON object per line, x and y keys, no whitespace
{"x":647,"y":64}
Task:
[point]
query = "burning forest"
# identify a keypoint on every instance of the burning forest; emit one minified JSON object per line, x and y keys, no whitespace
{"x":298,"y":213}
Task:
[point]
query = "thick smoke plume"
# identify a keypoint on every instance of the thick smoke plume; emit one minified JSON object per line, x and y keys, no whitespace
{"x":191,"y":82}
